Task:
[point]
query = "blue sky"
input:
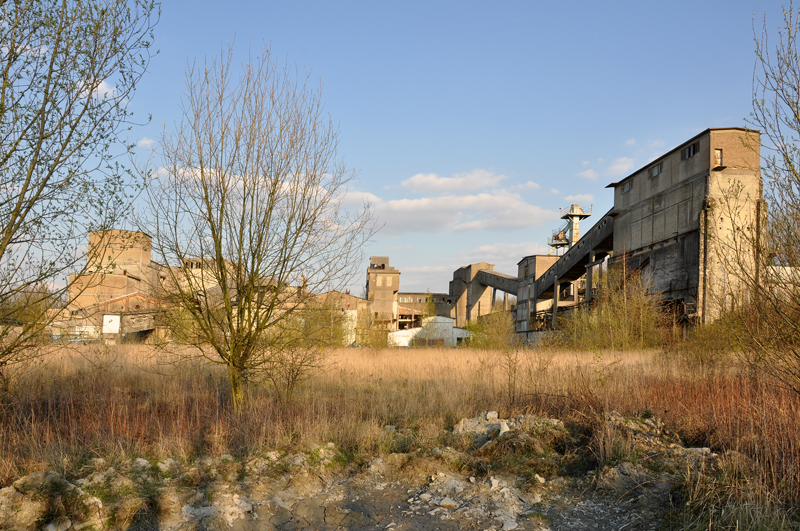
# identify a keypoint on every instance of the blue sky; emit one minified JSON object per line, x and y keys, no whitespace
{"x":470,"y":123}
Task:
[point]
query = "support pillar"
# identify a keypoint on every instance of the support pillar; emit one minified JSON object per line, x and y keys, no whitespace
{"x":555,"y":304}
{"x":589,"y":275}
{"x":494,"y":296}
{"x":505,"y":301}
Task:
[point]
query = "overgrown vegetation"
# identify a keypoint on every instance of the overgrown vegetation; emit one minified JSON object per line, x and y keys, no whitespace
{"x":626,"y":315}
{"x":116,"y":404}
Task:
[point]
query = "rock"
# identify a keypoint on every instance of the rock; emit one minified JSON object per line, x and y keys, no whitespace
{"x":491,"y":415}
{"x":508,"y":525}
{"x":59,"y":524}
{"x":447,"y":503}
{"x":18,"y":512}
{"x":504,"y":428}
{"x":273,"y":455}
{"x":168,"y":466}
{"x":40,"y":483}
{"x":139,"y":464}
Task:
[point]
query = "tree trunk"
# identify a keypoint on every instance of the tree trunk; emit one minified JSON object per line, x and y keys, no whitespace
{"x":238,"y":384}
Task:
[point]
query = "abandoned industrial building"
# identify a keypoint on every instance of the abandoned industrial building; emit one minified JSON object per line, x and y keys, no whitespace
{"x":666,"y":222}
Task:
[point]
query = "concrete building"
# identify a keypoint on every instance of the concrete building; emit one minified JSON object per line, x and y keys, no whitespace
{"x":355,"y":312}
{"x":121,"y":280}
{"x":383,"y":285}
{"x":436,"y":331}
{"x":119,"y":263}
{"x":674,"y":220}
{"x":413,"y":306}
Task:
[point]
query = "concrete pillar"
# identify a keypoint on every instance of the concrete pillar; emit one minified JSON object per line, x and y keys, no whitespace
{"x":555,"y":304}
{"x":505,"y":301}
{"x":494,"y":296}
{"x":589,"y":275}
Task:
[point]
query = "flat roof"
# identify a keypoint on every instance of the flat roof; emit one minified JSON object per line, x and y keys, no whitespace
{"x":679,"y":146}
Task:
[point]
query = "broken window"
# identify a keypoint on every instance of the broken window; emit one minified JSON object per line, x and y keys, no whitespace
{"x":690,"y":151}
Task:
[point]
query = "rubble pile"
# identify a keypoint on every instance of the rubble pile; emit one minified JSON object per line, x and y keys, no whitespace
{"x":440,"y":488}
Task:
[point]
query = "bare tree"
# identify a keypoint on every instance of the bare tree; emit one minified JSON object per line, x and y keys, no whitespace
{"x":68,"y":69}
{"x":249,"y":207}
{"x":763,"y":253}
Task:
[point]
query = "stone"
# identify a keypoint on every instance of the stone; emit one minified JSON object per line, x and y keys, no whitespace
{"x":448,"y":503}
{"x":140,"y":464}
{"x":168,"y":466}
{"x":492,"y":415}
{"x":18,"y":512}
{"x":273,"y":455}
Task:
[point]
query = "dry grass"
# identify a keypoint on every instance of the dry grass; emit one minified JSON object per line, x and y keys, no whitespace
{"x":120,"y":402}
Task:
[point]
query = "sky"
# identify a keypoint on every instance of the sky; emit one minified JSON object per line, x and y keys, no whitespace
{"x":469,"y":124}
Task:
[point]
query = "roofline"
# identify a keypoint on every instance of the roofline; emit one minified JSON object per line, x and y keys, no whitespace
{"x":679,"y":146}
{"x":139,"y":293}
{"x":532,"y":256}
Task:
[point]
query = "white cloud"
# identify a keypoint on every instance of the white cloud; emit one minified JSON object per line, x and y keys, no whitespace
{"x":585,"y":162}
{"x":554,"y":191}
{"x":102,"y":90}
{"x":530,"y":185}
{"x":474,"y":180}
{"x":588,"y":174}
{"x":620,"y":166}
{"x":145,"y":143}
{"x":495,"y":210}
{"x":580,"y":198}
{"x":657,"y":143}
{"x":630,"y":142}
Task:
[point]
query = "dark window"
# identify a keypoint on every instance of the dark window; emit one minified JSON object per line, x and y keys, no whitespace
{"x":690,"y":151}
{"x":626,"y":187}
{"x":656,"y":170}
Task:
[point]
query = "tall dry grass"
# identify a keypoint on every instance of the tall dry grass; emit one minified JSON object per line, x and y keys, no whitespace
{"x":121,"y":402}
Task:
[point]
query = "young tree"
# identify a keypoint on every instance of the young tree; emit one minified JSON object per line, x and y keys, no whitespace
{"x":765,"y":255}
{"x":249,"y":207}
{"x":68,"y":69}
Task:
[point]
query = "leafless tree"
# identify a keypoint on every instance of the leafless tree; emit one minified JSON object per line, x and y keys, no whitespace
{"x":68,"y":69}
{"x":764,"y":254}
{"x":248,"y":206}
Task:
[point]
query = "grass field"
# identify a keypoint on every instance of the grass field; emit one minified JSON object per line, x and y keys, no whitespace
{"x":121,"y":402}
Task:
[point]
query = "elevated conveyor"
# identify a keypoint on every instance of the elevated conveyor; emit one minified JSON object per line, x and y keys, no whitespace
{"x":598,"y":242}
{"x":497,"y":280}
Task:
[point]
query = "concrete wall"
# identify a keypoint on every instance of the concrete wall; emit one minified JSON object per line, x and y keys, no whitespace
{"x":529,"y":269}
{"x":383,"y":284}
{"x":661,"y":220}
{"x":473,"y":299}
{"x":118,"y":264}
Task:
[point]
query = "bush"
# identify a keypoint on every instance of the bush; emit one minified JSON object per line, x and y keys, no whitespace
{"x":626,"y":315}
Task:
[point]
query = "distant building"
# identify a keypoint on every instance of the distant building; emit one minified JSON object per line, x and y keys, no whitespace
{"x":383,"y":284}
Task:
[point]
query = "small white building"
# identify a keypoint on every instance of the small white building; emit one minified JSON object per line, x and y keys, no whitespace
{"x":435,"y":331}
